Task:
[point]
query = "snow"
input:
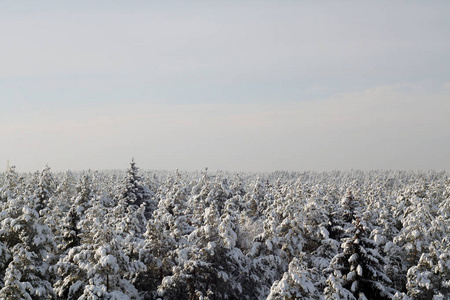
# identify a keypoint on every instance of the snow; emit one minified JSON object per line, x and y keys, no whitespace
{"x":287,"y":237}
{"x":353,"y":258}
{"x":359,"y":270}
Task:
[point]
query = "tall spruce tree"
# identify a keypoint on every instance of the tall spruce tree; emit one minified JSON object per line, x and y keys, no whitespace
{"x":134,"y":192}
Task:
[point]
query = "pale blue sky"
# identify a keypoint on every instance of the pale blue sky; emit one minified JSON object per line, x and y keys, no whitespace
{"x":233,"y":85}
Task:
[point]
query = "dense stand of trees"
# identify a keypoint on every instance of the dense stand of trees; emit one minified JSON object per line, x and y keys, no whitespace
{"x":161,"y":235}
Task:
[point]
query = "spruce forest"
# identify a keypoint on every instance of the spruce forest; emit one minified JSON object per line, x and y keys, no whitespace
{"x":137,"y":234}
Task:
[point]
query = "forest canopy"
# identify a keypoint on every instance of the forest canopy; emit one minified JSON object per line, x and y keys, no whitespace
{"x":216,"y":235}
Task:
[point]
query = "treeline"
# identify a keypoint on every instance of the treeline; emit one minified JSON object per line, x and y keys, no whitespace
{"x":203,"y":235}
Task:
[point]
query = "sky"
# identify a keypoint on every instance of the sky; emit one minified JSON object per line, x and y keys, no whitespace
{"x":252,"y":86}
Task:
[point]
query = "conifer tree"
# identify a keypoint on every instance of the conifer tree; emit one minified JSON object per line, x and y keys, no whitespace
{"x":44,"y":189}
{"x":84,"y":194}
{"x":70,"y":233}
{"x":5,"y":257}
{"x":13,"y":185}
{"x":299,"y":282}
{"x":98,"y":267}
{"x":414,"y":236}
{"x":32,"y":246}
{"x":166,"y":232}
{"x":357,"y":272}
{"x":59,"y":203}
{"x":430,"y":278}
{"x":208,"y":266}
{"x":135,"y":193}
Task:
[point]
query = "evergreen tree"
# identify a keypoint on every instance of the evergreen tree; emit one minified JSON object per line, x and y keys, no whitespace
{"x":13,"y":185}
{"x":59,"y":203}
{"x":84,"y":194}
{"x":299,"y":282}
{"x":414,"y":236}
{"x":44,"y":189}
{"x":208,"y":266}
{"x":5,"y":257}
{"x":70,"y":233}
{"x":357,"y":272}
{"x":32,"y":244}
{"x":430,"y":278}
{"x":135,"y":193}
{"x":98,"y":267}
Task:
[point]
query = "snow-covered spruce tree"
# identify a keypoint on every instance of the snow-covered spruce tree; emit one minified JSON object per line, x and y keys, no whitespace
{"x":69,"y":232}
{"x":199,"y":198}
{"x":15,"y":289}
{"x":166,"y":232}
{"x":350,"y":208}
{"x":208,"y":266}
{"x":158,"y":255}
{"x":316,"y":220}
{"x":8,"y":193}
{"x":414,"y":237}
{"x":98,"y":268}
{"x":220,"y":192}
{"x":236,"y":264}
{"x":254,"y":199}
{"x":24,"y":277}
{"x":430,"y":278}
{"x":60,"y":203}
{"x":135,"y":193}
{"x":32,"y":244}
{"x":281,"y":239}
{"x":44,"y":189}
{"x":66,"y":188}
{"x":266,"y":263}
{"x":297,"y":283}
{"x":84,"y":194}
{"x":237,"y":186}
{"x":5,"y":257}
{"x":340,"y":213}
{"x":323,"y":226}
{"x":357,"y":272}
{"x":12,"y":184}
{"x":385,"y":230}
{"x":440,"y":225}
{"x":290,"y":234}
{"x":129,"y":223}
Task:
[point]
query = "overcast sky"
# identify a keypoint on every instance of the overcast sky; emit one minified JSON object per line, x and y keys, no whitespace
{"x":232,"y":85}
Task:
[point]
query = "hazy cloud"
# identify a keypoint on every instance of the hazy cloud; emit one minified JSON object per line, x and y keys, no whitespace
{"x":386,"y":127}
{"x":232,"y":85}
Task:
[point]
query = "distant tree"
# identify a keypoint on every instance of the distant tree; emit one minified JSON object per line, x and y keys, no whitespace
{"x":84,"y":194}
{"x":255,"y":198}
{"x":135,"y":193}
{"x":60,"y":202}
{"x":44,"y":189}
{"x":13,"y":185}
